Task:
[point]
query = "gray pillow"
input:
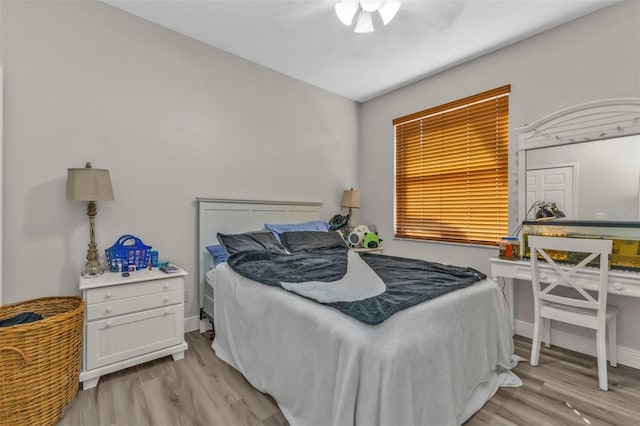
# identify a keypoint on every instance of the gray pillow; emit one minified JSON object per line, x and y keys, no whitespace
{"x":262,"y":240}
{"x":311,"y":240}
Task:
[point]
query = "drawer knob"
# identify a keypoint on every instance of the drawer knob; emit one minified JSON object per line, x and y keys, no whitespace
{"x":543,"y":276}
{"x":166,"y":286}
{"x":108,"y":309}
{"x":166,"y":312}
{"x":166,"y":298}
{"x":618,"y":286}
{"x":108,"y":295}
{"x":109,"y":324}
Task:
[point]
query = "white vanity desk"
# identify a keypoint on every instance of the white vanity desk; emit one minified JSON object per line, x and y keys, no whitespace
{"x":605,"y":121}
{"x":623,"y":283}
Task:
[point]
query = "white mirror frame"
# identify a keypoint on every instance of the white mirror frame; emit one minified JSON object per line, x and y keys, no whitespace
{"x":590,"y":121}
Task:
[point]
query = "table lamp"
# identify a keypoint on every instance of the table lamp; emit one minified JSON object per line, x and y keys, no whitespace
{"x":91,"y":185}
{"x":351,"y":199}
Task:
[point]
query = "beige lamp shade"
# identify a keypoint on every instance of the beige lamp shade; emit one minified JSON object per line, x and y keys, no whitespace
{"x":88,"y":184}
{"x":351,"y":198}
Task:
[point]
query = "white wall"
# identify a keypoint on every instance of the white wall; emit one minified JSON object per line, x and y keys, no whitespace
{"x":171,"y":118}
{"x":595,"y":57}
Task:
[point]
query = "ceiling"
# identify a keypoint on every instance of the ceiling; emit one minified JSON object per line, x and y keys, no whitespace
{"x":305,"y":40}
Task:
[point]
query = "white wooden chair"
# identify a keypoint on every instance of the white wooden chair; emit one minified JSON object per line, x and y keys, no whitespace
{"x":583,"y":310}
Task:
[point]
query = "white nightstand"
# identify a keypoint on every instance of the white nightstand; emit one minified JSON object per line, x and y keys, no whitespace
{"x":131,"y":320}
{"x":377,"y":250}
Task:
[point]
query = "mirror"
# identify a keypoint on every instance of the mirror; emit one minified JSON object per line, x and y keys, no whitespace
{"x":586,"y":159}
{"x":594,"y":180}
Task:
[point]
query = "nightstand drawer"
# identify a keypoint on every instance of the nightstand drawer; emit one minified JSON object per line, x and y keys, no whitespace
{"x":128,"y":336}
{"x":133,"y":289}
{"x":132,"y":304}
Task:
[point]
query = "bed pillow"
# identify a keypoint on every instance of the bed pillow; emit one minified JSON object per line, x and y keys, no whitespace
{"x":315,"y":225}
{"x":311,"y":240}
{"x":262,"y":240}
{"x":218,"y":253}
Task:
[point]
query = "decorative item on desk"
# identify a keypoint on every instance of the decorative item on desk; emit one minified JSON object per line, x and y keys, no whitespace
{"x":127,"y":252}
{"x":154,"y":258}
{"x":509,"y":248}
{"x":546,"y":211}
{"x":553,"y":208}
{"x":91,"y":185}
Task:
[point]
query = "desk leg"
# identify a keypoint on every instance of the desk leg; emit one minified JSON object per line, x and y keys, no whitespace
{"x":508,"y":290}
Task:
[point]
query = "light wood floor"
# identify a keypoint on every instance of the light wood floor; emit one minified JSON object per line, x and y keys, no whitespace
{"x":202,"y":390}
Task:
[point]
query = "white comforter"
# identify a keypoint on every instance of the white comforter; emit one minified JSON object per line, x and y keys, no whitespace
{"x":433,"y":364}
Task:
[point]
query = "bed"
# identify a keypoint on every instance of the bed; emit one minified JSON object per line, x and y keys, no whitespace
{"x":435,"y":363}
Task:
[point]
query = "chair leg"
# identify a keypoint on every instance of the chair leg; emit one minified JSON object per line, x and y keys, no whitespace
{"x":613,"y":345}
{"x":546,"y":322}
{"x":601,"y":351}
{"x":535,"y":345}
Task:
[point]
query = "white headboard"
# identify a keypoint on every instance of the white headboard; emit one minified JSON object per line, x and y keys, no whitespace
{"x":237,"y":216}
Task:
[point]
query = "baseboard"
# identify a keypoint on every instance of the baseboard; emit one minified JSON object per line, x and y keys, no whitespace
{"x":191,"y":324}
{"x":195,"y":323}
{"x":204,"y":325}
{"x":626,"y":356}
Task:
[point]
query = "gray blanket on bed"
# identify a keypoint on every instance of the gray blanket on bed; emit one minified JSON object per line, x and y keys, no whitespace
{"x":408,"y":281}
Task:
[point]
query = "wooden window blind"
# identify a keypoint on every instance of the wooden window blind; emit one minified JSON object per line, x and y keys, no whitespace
{"x":452,"y":170}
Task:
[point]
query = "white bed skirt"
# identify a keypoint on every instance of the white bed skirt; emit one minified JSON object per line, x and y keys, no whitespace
{"x":436,"y":363}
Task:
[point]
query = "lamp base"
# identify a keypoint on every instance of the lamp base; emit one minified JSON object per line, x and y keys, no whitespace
{"x":91,"y":270}
{"x":92,"y":267}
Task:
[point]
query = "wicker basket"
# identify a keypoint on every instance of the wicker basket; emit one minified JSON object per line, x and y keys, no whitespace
{"x":40,"y":361}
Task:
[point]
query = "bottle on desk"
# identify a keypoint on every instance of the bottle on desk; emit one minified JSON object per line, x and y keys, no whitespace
{"x":509,"y":248}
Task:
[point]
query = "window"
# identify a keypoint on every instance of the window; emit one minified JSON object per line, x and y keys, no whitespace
{"x":452,"y":170}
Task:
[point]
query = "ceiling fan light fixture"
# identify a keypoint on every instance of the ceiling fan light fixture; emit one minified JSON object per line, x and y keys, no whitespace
{"x":363,"y":10}
{"x":388,"y":10}
{"x":346,"y":11}
{"x":364,"y":23}
{"x":370,"y":6}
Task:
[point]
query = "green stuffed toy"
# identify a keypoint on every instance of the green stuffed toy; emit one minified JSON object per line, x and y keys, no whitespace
{"x":371,"y":240}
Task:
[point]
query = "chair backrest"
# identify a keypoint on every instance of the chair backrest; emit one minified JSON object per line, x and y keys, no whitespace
{"x":593,"y":248}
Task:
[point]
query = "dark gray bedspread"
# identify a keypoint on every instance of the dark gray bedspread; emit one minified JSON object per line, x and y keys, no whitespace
{"x":408,"y":281}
